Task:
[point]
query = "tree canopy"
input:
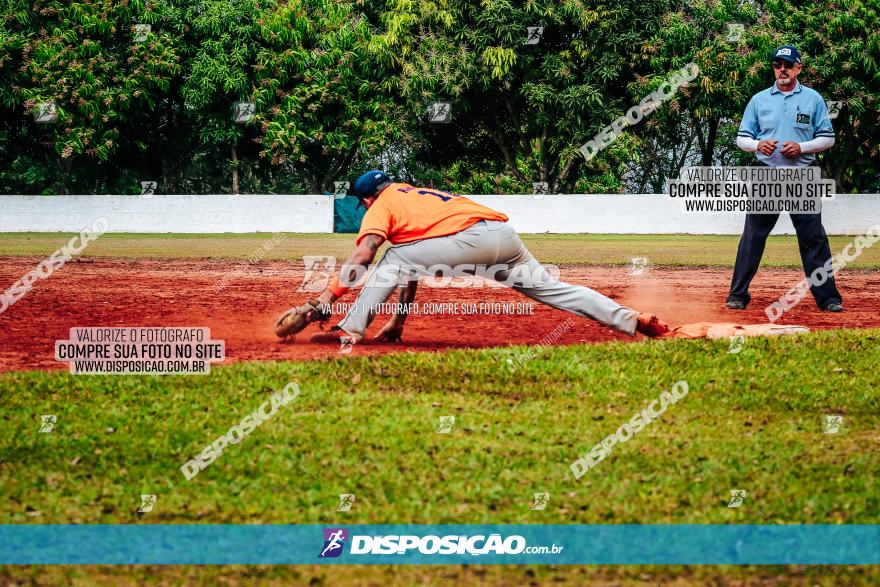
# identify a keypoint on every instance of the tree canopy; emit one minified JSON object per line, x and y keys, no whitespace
{"x":288,"y":96}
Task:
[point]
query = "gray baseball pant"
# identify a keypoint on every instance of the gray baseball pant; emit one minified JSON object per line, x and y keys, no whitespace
{"x":487,"y":243}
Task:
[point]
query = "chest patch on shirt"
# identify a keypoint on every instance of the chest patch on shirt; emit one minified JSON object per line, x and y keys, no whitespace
{"x":802,"y":118}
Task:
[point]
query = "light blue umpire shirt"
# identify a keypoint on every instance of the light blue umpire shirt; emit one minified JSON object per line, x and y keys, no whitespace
{"x":799,"y":116}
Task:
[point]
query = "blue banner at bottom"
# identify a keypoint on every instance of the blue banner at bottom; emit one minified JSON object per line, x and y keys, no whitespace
{"x":411,"y":544}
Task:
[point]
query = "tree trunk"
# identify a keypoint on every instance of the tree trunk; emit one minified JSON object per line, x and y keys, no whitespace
{"x":65,"y":175}
{"x":707,"y":141}
{"x":234,"y":169}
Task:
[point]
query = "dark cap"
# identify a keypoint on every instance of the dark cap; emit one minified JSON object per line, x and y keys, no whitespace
{"x":788,"y":53}
{"x":367,"y":184}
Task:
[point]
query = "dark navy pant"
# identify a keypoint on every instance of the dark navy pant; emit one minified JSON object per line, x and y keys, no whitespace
{"x":813,"y":243}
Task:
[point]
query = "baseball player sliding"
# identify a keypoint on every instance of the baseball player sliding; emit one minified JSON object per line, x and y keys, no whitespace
{"x":428,"y":227}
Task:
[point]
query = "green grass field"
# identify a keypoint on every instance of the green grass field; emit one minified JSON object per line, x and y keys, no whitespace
{"x":367,"y":425}
{"x":590,"y":249}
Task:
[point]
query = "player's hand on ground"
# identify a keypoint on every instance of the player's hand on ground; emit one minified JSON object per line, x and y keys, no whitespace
{"x":767,"y":146}
{"x":791,"y":149}
{"x":391,"y":332}
{"x":650,"y":325}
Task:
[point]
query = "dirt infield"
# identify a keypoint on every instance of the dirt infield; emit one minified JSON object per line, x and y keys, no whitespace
{"x":101,"y":292}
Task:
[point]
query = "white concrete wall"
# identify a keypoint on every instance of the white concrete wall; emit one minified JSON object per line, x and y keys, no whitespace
{"x":164,"y":213}
{"x":596,"y":213}
{"x":660,"y":214}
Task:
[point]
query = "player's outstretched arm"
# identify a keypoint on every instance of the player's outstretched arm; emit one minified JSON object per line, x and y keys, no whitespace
{"x":393,"y":329}
{"x":352,"y":269}
{"x":296,"y":319}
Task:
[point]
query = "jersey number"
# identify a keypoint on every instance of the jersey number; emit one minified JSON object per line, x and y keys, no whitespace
{"x":445,"y":196}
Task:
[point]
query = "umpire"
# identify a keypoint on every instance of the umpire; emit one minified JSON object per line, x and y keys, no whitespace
{"x":785,"y":125}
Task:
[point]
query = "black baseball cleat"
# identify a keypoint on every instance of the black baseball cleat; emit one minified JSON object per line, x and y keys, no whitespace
{"x":736,"y":305}
{"x":833,"y":307}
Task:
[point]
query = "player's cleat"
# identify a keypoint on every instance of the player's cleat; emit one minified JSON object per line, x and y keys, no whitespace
{"x":651,"y":325}
{"x":834,"y":307}
{"x":736,"y":305}
{"x":334,"y":335}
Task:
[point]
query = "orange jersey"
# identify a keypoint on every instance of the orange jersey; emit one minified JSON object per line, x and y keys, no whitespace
{"x":403,"y":214}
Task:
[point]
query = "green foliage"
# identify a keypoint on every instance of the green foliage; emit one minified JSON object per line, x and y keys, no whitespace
{"x":342,"y":85}
{"x":318,"y":90}
{"x":83,"y":58}
{"x":841,"y":61}
{"x":518,"y":109}
{"x":841,"y":49}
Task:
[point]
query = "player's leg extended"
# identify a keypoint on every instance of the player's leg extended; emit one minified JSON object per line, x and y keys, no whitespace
{"x":469,"y":247}
{"x":384,"y":280}
{"x":527,"y":276}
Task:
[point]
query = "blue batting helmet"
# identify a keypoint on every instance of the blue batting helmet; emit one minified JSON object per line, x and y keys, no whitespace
{"x":367,"y":185}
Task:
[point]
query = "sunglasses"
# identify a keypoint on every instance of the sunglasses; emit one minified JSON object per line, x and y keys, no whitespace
{"x":783,"y":64}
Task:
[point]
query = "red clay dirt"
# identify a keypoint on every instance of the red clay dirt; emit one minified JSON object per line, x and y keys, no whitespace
{"x":117,"y":292}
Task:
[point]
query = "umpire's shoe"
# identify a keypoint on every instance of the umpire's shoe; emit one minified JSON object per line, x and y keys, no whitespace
{"x":736,"y":305}
{"x":833,"y":307}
